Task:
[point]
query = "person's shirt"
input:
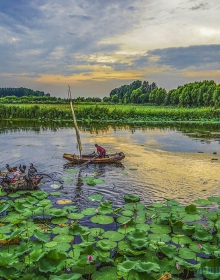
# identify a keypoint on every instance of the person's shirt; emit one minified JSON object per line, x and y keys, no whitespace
{"x":100,"y":149}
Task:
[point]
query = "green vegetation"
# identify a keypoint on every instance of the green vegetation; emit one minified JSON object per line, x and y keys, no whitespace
{"x":39,"y":240}
{"x":197,"y":94}
{"x":111,"y":113}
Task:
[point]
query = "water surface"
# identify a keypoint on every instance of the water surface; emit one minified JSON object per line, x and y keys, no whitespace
{"x":160,"y":162}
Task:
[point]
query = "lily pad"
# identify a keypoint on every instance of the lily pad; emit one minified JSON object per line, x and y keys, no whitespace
{"x":55,"y":193}
{"x":55,"y":186}
{"x":64,"y":201}
{"x":102,"y":219}
{"x":203,"y":201}
{"x":72,"y":171}
{"x":108,"y":272}
{"x":113,"y":235}
{"x":75,"y":216}
{"x":51,"y":244}
{"x":95,"y":197}
{"x":131,"y":198}
{"x":63,"y":238}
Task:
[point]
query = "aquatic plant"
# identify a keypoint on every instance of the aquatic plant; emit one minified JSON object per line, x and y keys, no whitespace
{"x":40,"y":240}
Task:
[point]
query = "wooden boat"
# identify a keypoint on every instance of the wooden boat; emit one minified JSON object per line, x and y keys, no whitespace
{"x":25,"y":182}
{"x":91,"y":158}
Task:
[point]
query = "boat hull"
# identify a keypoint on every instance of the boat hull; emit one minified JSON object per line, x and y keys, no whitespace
{"x":117,"y":157}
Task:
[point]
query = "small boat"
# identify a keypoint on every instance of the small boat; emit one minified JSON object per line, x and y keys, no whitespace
{"x":92,"y":158}
{"x":25,"y":182}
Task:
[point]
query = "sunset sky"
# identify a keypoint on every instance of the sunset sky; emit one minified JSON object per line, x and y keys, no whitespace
{"x":97,"y":45}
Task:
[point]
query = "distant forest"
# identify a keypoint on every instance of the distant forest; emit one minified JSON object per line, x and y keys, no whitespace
{"x":198,"y":94}
{"x":25,"y":95}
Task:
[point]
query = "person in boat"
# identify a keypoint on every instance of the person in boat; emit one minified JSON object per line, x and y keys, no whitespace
{"x":9,"y":169}
{"x":22,"y":168}
{"x":100,"y":151}
{"x":16,"y":175}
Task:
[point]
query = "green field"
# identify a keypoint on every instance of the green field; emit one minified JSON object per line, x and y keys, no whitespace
{"x":112,"y":113}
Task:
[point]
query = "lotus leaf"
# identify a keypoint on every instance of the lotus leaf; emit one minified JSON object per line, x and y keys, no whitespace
{"x":75,"y":216}
{"x":71,"y":208}
{"x":202,"y":234}
{"x":3,"y":193}
{"x":69,"y":276}
{"x":54,"y":212}
{"x":160,"y":229}
{"x":89,"y":211}
{"x":147,"y":267}
{"x":3,"y":207}
{"x":55,"y":193}
{"x":214,"y":199}
{"x":62,"y":247}
{"x":102,"y":219}
{"x":53,"y":261}
{"x":113,"y":235}
{"x":57,"y":221}
{"x":145,"y":227}
{"x":64,"y":201}
{"x":13,"y":195}
{"x":123,"y":220}
{"x":87,"y":178}
{"x":131,"y":198}
{"x":126,"y":248}
{"x":51,"y":244}
{"x":91,"y":182}
{"x":31,"y":200}
{"x":72,"y":171}
{"x":67,"y":179}
{"x":9,"y":272}
{"x":7,"y":259}
{"x":191,"y":218}
{"x":44,"y":237}
{"x":97,"y":232}
{"x":95,"y":197}
{"x":187,"y":254}
{"x":182,"y":240}
{"x":169,"y":250}
{"x":171,"y":202}
{"x":191,"y":209}
{"x":60,"y":230}
{"x":108,"y":272}
{"x":55,"y":186}
{"x":203,"y":201}
{"x":106,"y":244}
{"x":157,"y":205}
{"x":40,"y":194}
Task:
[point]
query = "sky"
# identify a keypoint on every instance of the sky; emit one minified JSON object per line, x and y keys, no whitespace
{"x":94,"y":46}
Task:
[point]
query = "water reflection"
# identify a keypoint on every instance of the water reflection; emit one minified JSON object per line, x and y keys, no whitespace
{"x":161,"y":161}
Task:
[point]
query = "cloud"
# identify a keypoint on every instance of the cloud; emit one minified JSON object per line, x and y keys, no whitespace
{"x":51,"y":41}
{"x":207,"y":56}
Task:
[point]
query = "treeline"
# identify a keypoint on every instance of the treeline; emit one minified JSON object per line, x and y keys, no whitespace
{"x":197,"y":94}
{"x":19,"y":92}
{"x":45,"y":100}
{"x":29,"y":96}
{"x":136,"y":92}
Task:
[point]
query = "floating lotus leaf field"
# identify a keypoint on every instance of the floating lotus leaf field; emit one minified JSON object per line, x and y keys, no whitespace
{"x":45,"y":241}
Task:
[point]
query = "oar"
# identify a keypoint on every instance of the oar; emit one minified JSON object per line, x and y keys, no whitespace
{"x":89,"y":161}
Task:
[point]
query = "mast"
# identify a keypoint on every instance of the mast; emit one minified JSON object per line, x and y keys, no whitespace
{"x":75,"y":123}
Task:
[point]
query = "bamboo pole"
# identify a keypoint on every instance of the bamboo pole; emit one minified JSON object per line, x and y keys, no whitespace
{"x":75,"y":123}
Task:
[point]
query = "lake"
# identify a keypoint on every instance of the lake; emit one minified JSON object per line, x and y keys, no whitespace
{"x":177,"y":162}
